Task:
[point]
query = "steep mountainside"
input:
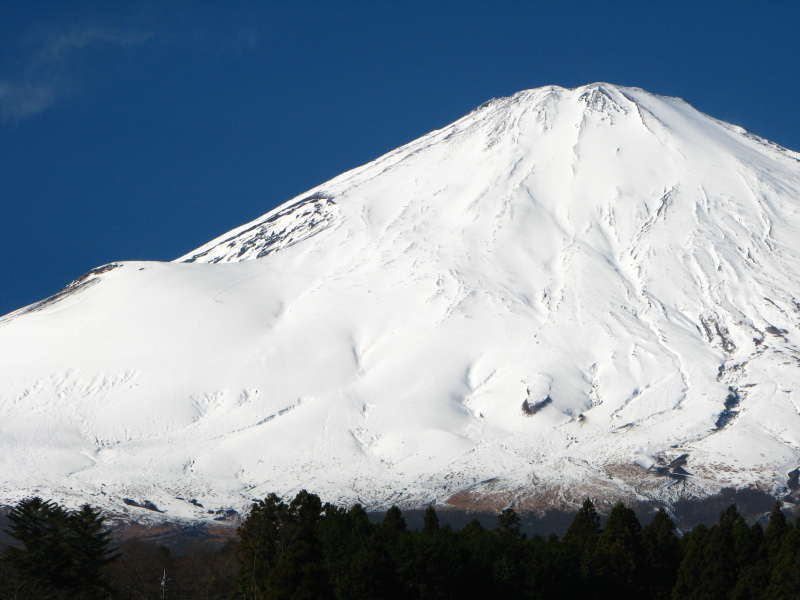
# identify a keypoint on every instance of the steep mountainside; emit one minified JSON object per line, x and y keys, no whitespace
{"x":564,"y":293}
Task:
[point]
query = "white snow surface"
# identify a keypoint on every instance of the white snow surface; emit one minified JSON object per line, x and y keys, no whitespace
{"x":550,"y":298}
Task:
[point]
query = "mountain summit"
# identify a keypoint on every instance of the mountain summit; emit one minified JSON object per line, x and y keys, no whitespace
{"x":565,"y":293}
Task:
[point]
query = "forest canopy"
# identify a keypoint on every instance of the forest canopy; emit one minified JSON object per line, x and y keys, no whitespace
{"x":304,"y":549}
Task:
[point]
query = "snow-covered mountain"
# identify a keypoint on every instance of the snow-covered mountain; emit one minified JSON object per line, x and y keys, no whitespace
{"x":564,"y":293}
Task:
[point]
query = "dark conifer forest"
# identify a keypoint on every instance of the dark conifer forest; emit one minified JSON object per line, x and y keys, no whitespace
{"x":306,"y":550}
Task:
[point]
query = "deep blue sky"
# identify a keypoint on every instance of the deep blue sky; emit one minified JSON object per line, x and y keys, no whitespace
{"x":141,"y":130}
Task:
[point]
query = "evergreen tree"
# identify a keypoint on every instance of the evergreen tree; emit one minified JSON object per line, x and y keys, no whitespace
{"x":711,"y":563}
{"x":393,"y":521}
{"x":393,"y":536}
{"x":358,"y":567}
{"x":59,"y":553}
{"x":578,"y":549}
{"x":272,"y":537}
{"x":757,"y":536}
{"x":585,"y":527}
{"x":259,"y":546}
{"x":430,"y":522}
{"x":479,"y":547}
{"x":617,"y":562}
{"x":509,"y":525}
{"x":41,"y":560}
{"x":752,"y":581}
{"x":777,"y":528}
{"x":509,"y":565}
{"x":722,"y":558}
{"x":661,"y":555}
{"x":370,"y":575}
{"x":306,"y":511}
{"x":89,"y":544}
{"x":784,"y":581}
{"x":359,"y":520}
{"x":690,"y":571}
{"x":299,"y":574}
{"x":438,"y":565}
{"x":544,"y":576}
{"x":751,"y":568}
{"x":338,"y":539}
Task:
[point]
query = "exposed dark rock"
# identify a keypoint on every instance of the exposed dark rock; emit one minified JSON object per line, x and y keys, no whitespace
{"x":532,"y":409}
{"x":794,"y":480}
{"x":713,"y":329}
{"x":81,"y":283}
{"x":674,"y":469}
{"x":224,"y":515}
{"x":775,"y":331}
{"x":146,"y":504}
{"x":731,"y":402}
{"x":92,"y":273}
{"x":295,"y":223}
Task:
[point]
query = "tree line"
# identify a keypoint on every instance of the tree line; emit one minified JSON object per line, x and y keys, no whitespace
{"x":302,"y":549}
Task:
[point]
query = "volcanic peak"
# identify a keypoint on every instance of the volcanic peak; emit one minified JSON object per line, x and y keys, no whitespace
{"x":564,"y":293}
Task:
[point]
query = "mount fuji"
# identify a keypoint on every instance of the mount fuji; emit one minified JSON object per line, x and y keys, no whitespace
{"x":566,"y":293}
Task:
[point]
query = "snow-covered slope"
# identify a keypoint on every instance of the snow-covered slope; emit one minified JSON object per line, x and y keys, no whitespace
{"x":564,"y":293}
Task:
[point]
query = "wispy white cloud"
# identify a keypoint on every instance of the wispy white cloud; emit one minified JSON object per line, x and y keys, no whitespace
{"x":57,"y":47}
{"x":22,"y":99}
{"x":47,"y":68}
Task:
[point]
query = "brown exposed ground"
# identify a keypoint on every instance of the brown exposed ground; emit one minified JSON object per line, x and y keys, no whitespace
{"x":176,"y":536}
{"x":543,"y":510}
{"x":555,"y":505}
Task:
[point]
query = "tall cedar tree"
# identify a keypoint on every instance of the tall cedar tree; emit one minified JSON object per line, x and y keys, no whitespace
{"x":89,"y":546}
{"x":359,"y":568}
{"x":616,"y":564}
{"x":259,"y":546}
{"x":510,"y":567}
{"x":578,"y":548}
{"x":393,"y":535}
{"x":710,"y":566}
{"x":585,"y":527}
{"x":438,"y":562}
{"x":478,"y":545}
{"x":661,"y":553}
{"x":777,"y":528}
{"x":784,"y":581}
{"x":279,"y":550}
{"x":59,"y":553}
